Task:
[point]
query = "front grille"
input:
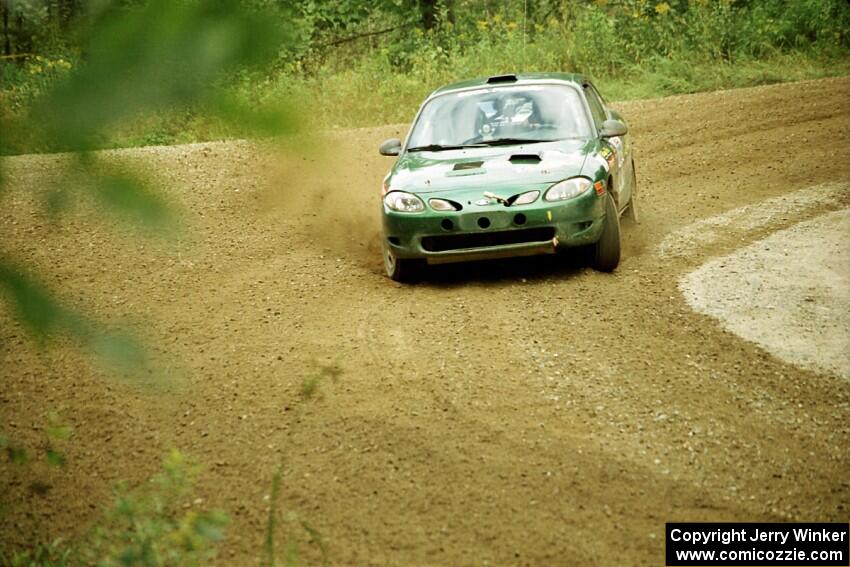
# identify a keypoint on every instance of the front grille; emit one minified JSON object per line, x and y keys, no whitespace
{"x":447,"y":242}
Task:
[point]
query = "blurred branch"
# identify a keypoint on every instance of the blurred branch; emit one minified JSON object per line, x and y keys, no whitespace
{"x":363,"y":35}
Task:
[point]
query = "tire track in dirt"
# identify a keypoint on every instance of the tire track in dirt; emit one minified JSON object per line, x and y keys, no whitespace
{"x":732,"y":227}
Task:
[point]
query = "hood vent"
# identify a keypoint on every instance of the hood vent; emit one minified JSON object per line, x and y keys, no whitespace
{"x":525,"y":159}
{"x":468,"y":165}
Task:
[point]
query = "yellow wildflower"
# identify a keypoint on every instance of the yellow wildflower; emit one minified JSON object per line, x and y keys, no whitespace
{"x":662,"y":8}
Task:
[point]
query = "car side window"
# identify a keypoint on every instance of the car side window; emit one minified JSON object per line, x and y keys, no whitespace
{"x":598,"y":95}
{"x":597,"y":109}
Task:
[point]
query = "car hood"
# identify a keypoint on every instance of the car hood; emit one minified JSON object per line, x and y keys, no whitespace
{"x":528,"y":165}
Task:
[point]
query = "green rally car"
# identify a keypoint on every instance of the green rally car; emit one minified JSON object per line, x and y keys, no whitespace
{"x":512,"y":165}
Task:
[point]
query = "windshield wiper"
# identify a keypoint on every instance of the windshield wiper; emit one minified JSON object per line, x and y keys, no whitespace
{"x":440,"y":147}
{"x":514,"y":141}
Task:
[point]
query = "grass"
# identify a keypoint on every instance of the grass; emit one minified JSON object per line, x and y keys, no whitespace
{"x":677,"y":77}
{"x":150,"y":526}
{"x":366,"y":96}
{"x":310,"y":384}
{"x":290,"y":558}
{"x":632,"y":48}
{"x":360,"y":97}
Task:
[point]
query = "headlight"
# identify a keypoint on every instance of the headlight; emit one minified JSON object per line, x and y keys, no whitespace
{"x":526,"y":198}
{"x":441,"y":205}
{"x":404,"y":202}
{"x":568,"y":189}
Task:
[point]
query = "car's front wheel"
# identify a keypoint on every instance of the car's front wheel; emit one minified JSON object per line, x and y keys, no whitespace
{"x":606,"y":255}
{"x":401,"y":269}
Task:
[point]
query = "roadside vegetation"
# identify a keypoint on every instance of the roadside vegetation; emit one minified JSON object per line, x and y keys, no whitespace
{"x":351,"y":64}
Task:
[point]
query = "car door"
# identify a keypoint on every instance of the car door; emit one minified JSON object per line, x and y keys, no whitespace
{"x":619,"y":160}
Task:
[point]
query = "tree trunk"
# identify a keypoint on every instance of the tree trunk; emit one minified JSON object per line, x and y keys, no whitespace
{"x":19,"y":34}
{"x":7,"y":44}
{"x":428,"y":8}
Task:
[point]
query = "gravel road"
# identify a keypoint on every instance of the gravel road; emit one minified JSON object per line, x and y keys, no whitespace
{"x":529,"y":412}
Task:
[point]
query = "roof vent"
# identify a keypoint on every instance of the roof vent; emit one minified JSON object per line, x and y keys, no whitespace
{"x":501,"y":79}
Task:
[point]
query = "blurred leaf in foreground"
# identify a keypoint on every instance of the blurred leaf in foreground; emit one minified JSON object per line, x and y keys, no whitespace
{"x":44,"y":317}
{"x":127,"y":193}
{"x":164,"y":56}
{"x":159,"y":58}
{"x":17,"y":455}
{"x":56,"y":430}
{"x":54,"y":458}
{"x":34,"y":307}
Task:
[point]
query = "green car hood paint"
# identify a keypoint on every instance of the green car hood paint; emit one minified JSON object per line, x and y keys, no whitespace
{"x":490,"y":167}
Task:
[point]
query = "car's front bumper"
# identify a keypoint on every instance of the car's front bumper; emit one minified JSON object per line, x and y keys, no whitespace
{"x":495,"y":231}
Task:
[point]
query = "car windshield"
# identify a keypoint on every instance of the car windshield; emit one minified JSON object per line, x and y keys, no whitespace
{"x":505,"y":114}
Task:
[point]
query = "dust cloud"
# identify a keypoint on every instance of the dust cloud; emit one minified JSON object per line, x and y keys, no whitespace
{"x":332,"y":184}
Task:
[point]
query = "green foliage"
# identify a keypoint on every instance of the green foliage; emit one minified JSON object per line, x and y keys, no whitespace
{"x":270,"y":558}
{"x":310,"y":384}
{"x":45,"y":317}
{"x":152,"y":526}
{"x":54,"y":457}
{"x":54,"y":432}
{"x":366,"y":63}
{"x":148,"y":527}
{"x":17,"y":455}
{"x":53,"y":554}
{"x":127,"y":65}
{"x":126,"y":193}
{"x":161,"y":57}
{"x":632,"y":47}
{"x":27,"y":80}
{"x":35,"y":307}
{"x":271,"y":524}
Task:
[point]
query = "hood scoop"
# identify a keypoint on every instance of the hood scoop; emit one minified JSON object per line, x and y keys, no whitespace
{"x":525,"y":159}
{"x":467,"y":165}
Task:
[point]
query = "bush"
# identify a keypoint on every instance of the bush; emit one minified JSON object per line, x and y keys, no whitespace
{"x":151,"y":526}
{"x":355,"y":77}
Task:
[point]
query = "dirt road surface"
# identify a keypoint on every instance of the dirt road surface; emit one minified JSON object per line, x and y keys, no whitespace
{"x":529,"y":412}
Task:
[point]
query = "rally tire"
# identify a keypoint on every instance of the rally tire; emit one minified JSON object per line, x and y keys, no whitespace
{"x":401,"y":269}
{"x":606,"y":251}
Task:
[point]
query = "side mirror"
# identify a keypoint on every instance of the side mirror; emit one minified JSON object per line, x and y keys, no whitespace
{"x":391,"y":147}
{"x":613,"y":128}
